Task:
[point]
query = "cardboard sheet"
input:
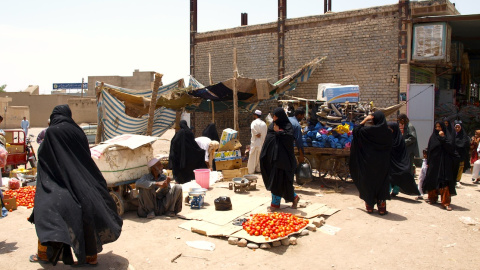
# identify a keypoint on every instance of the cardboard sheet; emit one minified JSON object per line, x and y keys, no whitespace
{"x":241,"y":204}
{"x":209,"y":229}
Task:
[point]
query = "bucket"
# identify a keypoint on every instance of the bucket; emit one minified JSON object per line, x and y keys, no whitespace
{"x":202,"y":176}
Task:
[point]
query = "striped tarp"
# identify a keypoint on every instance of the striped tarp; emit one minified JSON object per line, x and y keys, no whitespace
{"x":111,"y":112}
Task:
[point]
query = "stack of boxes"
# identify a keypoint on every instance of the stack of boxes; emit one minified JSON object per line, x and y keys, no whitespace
{"x":229,"y":158}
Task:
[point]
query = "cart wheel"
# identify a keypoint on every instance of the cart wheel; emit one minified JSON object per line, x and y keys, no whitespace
{"x":118,"y":202}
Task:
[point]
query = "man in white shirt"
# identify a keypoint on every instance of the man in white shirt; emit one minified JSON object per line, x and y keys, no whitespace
{"x":25,"y":125}
{"x":259,"y":131}
{"x":210,"y":146}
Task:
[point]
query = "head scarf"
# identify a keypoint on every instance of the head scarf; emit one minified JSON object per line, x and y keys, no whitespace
{"x":282,"y":121}
{"x":211,"y":132}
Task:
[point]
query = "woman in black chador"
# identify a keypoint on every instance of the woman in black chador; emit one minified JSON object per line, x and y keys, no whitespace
{"x":439,"y":179}
{"x":277,"y":160}
{"x":185,"y":155}
{"x":370,"y":161}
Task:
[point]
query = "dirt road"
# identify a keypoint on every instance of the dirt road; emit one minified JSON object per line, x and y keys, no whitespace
{"x":414,"y":235}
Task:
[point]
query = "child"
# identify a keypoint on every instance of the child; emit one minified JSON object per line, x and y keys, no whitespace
{"x":423,"y":172}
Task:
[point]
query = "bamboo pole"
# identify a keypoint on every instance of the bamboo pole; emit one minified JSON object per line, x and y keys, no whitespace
{"x":235,"y":91}
{"x":211,"y":83}
{"x":153,"y":102}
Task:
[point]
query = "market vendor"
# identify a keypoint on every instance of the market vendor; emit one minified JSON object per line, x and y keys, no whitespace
{"x":156,"y":196}
{"x":210,"y":146}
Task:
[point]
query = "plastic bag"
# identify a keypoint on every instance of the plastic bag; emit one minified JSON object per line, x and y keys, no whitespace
{"x":3,"y":157}
{"x":13,"y":183}
{"x":268,"y":120}
{"x":303,"y":173}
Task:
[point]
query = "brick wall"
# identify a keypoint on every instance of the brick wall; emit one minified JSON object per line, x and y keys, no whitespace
{"x":360,"y":45}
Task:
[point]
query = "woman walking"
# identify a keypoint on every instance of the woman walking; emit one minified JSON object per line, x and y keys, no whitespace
{"x":370,"y":161}
{"x":462,"y":145}
{"x":439,"y":179}
{"x":277,"y":160}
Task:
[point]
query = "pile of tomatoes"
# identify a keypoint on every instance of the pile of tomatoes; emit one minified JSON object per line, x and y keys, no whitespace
{"x":25,"y":195}
{"x":273,"y":225}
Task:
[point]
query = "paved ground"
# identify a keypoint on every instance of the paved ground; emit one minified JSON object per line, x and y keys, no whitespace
{"x":414,"y":235}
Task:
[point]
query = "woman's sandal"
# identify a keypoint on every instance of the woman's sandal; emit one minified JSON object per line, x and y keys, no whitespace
{"x":273,"y":209}
{"x":448,"y":208}
{"x":35,"y":259}
{"x":382,"y":208}
{"x":369,"y":208}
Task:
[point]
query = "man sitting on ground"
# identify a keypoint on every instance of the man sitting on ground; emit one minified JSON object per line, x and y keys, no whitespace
{"x":156,"y":196}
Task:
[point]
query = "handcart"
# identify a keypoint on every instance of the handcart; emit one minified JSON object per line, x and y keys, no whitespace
{"x":124,"y":195}
{"x":328,"y":161}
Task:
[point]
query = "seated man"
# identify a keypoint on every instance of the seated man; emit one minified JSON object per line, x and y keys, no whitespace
{"x":156,"y":196}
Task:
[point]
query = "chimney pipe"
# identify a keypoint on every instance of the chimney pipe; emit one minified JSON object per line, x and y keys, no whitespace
{"x":244,"y":19}
{"x":329,"y":5}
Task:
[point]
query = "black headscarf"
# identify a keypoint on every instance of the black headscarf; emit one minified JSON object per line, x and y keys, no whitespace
{"x":211,"y":132}
{"x":440,"y":153}
{"x":277,"y":158}
{"x":462,"y":143}
{"x":400,"y":174}
{"x":185,"y":155}
{"x":73,"y":207}
{"x":370,"y":159}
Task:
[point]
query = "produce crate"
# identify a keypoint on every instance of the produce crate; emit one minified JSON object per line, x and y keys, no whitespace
{"x":228,"y":164}
{"x":230,"y":174}
{"x":10,"y":202}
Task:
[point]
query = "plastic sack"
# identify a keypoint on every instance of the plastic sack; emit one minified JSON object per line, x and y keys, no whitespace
{"x":13,"y":183}
{"x":3,"y":157}
{"x":303,"y":173}
{"x":268,"y":120}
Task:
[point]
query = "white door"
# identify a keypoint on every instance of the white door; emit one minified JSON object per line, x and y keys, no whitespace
{"x":420,"y":111}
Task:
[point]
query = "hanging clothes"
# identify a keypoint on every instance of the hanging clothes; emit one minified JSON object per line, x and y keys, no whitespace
{"x":185,"y":155}
{"x":73,"y":207}
{"x":370,"y":159}
{"x":277,"y":158}
{"x":400,"y":173}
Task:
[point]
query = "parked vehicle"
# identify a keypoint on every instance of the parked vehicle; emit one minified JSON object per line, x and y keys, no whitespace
{"x":20,"y":150}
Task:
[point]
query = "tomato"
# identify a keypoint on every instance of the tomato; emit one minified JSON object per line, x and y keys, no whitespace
{"x":273,"y":225}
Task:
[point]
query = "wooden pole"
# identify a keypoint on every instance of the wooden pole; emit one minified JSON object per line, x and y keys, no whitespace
{"x":235,"y":91}
{"x":153,"y":102}
{"x":99,"y":136}
{"x":211,"y":83}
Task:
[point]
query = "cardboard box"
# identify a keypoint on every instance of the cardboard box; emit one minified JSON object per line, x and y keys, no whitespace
{"x":228,"y":164}
{"x":227,"y":135}
{"x":343,"y":93}
{"x":10,"y":202}
{"x":230,"y":174}
{"x":227,"y":155}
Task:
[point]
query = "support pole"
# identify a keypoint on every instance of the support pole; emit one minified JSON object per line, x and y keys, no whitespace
{"x":153,"y":102}
{"x":235,"y":91}
{"x":211,"y":83}
{"x":99,"y":136}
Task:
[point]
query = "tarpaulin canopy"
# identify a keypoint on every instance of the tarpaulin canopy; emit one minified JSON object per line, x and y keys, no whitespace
{"x":112,"y":110}
{"x":258,"y":89}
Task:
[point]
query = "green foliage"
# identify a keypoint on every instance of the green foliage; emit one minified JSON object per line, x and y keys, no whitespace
{"x":2,"y":88}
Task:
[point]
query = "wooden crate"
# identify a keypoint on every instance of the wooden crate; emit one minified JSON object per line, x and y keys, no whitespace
{"x":230,"y":174}
{"x":228,"y":164}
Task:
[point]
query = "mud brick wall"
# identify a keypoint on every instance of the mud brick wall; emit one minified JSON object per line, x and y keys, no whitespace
{"x":361,"y":48}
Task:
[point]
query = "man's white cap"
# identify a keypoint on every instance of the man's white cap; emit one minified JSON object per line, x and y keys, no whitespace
{"x":154,"y":160}
{"x":258,"y":112}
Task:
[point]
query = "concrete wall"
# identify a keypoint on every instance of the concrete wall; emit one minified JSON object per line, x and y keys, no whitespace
{"x":140,"y":80}
{"x":361,"y":48}
{"x":41,"y":106}
{"x":14,"y":116}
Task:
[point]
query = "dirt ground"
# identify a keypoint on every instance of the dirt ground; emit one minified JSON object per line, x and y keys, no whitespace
{"x":414,"y":235}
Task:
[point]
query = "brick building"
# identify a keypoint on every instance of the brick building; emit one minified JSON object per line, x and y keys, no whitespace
{"x":366,"y":47}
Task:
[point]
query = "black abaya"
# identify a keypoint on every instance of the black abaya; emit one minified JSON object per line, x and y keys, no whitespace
{"x":440,"y":157}
{"x":400,"y":174}
{"x":185,"y":155}
{"x":370,"y":159}
{"x":73,"y":207}
{"x":211,"y":132}
{"x":277,"y":158}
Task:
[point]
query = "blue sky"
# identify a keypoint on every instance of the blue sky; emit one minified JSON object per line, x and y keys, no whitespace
{"x":53,"y":41}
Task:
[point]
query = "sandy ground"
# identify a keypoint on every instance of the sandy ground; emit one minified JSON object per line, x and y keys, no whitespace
{"x":414,"y":235}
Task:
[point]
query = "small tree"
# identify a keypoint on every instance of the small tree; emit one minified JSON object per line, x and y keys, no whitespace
{"x":2,"y":88}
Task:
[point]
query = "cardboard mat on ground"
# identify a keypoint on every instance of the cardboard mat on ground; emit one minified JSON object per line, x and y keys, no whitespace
{"x":209,"y":222}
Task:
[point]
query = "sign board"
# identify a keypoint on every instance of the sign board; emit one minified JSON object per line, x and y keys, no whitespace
{"x":70,"y":86}
{"x":431,"y":42}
